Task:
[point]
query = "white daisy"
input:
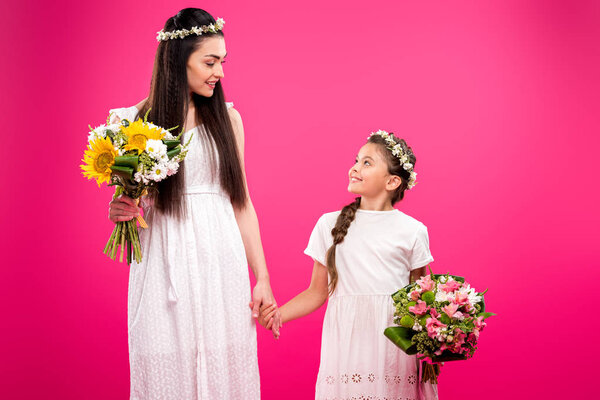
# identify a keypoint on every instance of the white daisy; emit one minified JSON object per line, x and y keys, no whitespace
{"x":156,"y":148}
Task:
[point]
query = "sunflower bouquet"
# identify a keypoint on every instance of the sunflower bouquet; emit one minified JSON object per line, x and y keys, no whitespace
{"x":133,"y":156}
{"x":440,"y":318}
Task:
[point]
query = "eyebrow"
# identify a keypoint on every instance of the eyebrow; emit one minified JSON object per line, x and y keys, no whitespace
{"x":357,"y":157}
{"x":215,"y":56}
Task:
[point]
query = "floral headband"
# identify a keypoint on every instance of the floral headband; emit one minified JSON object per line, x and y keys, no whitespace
{"x":197,"y":30}
{"x":397,"y":151}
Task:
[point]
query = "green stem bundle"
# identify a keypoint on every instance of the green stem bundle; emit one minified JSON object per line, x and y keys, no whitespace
{"x":124,"y":239}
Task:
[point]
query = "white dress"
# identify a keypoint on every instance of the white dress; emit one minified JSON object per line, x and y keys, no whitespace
{"x":191,"y":333}
{"x":374,"y":260}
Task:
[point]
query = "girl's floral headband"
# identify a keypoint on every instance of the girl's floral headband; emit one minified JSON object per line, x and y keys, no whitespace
{"x":196,"y":30}
{"x":397,"y":151}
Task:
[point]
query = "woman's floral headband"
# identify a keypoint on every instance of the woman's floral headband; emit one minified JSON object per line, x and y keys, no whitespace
{"x":197,"y":30}
{"x":397,"y":151}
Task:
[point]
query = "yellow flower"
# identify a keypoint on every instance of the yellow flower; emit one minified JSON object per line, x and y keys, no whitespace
{"x":138,"y":133}
{"x":98,"y":158}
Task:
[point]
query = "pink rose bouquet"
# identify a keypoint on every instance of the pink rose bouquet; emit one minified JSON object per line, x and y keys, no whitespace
{"x":440,"y":318}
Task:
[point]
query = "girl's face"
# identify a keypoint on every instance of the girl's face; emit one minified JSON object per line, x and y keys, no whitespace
{"x":205,"y":66}
{"x":369,"y":176}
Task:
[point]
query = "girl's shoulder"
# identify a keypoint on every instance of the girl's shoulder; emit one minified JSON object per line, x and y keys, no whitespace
{"x":330,"y":216}
{"x":408,"y":223}
{"x":327,"y":220}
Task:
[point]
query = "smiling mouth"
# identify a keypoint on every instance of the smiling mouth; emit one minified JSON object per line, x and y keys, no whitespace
{"x":212,"y":84}
{"x":353,"y":179}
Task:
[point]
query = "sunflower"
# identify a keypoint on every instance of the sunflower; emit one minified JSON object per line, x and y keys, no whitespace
{"x":98,"y":158}
{"x":138,"y":133}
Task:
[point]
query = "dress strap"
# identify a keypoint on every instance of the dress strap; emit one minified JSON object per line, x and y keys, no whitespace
{"x":229,"y":104}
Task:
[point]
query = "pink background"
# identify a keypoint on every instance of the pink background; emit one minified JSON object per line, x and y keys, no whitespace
{"x":499,"y":100}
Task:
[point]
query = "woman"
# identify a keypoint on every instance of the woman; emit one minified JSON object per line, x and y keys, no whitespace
{"x":191,"y":334}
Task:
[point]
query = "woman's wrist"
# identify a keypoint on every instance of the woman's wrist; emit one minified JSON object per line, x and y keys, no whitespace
{"x":263,"y":278}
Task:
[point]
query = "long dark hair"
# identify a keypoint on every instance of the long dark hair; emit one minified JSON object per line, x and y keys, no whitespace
{"x":168,"y":105}
{"x":339,"y":231}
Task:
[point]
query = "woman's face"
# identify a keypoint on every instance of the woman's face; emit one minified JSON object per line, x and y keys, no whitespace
{"x":205,"y":66}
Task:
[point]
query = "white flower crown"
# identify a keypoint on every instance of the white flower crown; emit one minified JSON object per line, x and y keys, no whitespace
{"x":397,"y":151}
{"x":196,"y":30}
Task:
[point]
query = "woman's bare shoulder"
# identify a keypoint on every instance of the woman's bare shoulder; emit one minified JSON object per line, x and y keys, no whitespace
{"x":141,"y":104}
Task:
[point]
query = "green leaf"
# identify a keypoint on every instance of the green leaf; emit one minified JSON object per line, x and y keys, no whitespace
{"x":171,"y":143}
{"x":174,"y":152}
{"x":125,"y":172}
{"x":485,"y":314}
{"x":482,"y":304}
{"x":401,"y":337}
{"x":131,"y":161}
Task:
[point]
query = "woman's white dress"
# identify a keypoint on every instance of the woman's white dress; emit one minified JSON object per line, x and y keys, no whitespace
{"x":191,"y":333}
{"x":374,"y":260}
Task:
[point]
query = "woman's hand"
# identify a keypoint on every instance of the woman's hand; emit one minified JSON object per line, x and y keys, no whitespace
{"x":123,"y":208}
{"x":262,"y":297}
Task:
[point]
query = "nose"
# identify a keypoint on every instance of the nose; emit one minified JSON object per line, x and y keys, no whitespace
{"x":354,"y":168}
{"x":219,"y":71}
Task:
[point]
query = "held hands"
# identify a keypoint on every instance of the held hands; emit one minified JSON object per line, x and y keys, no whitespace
{"x":267,"y":316}
{"x":262,"y":299}
{"x":122,"y":208}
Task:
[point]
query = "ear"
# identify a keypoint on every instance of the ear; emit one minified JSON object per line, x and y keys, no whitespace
{"x":393,"y":183}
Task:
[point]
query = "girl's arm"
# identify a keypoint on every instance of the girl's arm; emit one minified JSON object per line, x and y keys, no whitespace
{"x":303,"y":304}
{"x":416,"y":274}
{"x":247,"y":221}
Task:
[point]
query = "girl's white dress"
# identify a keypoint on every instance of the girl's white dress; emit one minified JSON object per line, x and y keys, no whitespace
{"x":374,"y":260}
{"x":191,"y":333}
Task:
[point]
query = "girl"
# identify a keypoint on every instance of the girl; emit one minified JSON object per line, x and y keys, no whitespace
{"x":362,"y":254}
{"x":191,"y":334}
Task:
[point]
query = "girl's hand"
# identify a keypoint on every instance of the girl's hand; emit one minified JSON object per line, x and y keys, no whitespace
{"x":123,"y":208}
{"x":266,"y":315}
{"x":269,"y":318}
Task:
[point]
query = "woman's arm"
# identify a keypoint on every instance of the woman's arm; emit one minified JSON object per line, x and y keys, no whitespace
{"x":115,"y":119}
{"x":304,"y":303}
{"x":247,"y":221}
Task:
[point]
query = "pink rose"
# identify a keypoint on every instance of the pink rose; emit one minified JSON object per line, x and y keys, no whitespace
{"x":472,"y":338}
{"x":419,"y":309}
{"x":479,"y":323}
{"x":461,"y":299}
{"x":450,"y":309}
{"x":434,"y":313}
{"x":450,"y":286}
{"x":433,"y":325}
{"x":426,"y":283}
{"x":459,"y":337}
{"x":414,"y":295}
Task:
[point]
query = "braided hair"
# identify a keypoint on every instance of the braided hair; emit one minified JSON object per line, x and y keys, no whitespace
{"x":348,"y":213}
